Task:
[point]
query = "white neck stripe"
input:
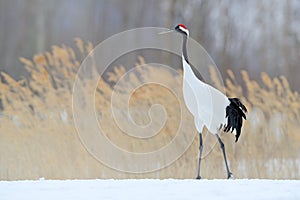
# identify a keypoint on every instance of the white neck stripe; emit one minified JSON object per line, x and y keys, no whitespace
{"x":184,"y":30}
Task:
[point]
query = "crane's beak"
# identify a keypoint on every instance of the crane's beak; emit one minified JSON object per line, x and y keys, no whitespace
{"x":164,"y":32}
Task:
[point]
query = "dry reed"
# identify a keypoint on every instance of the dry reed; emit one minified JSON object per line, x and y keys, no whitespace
{"x":38,"y":137}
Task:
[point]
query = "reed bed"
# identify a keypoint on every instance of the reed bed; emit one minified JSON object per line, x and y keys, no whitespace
{"x":38,"y":136}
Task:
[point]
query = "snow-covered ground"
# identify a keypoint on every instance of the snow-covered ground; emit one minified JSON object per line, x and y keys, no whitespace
{"x":150,"y":189}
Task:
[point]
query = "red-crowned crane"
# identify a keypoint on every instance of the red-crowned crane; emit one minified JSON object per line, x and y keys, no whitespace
{"x":209,"y":106}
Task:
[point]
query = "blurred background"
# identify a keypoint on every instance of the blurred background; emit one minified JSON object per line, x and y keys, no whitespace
{"x":253,"y":35}
{"x":255,"y":44}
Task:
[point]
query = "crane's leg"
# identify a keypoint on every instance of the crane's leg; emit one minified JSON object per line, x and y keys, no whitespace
{"x":229,"y":174}
{"x":200,"y":154}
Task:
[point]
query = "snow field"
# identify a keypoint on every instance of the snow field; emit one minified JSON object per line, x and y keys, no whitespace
{"x":150,"y":189}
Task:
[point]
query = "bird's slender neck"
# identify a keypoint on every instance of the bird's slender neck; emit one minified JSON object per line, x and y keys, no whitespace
{"x":185,"y":56}
{"x":184,"y":50}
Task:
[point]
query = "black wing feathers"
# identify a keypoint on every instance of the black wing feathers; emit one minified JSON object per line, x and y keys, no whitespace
{"x":235,"y":112}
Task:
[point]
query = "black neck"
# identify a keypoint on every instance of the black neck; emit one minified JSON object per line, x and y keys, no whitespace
{"x":184,"y":51}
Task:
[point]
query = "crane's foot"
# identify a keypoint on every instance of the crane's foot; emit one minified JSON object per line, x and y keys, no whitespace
{"x":198,"y":177}
{"x":230,"y":176}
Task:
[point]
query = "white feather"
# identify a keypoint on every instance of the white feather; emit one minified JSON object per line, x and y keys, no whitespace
{"x":207,"y":104}
{"x":184,"y":30}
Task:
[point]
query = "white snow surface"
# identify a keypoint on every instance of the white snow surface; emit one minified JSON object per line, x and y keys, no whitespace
{"x":150,"y":189}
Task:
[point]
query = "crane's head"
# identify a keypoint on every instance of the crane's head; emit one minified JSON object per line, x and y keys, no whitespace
{"x":181,"y":28}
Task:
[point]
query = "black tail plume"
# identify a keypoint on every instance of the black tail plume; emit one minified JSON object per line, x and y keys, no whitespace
{"x":235,"y":112}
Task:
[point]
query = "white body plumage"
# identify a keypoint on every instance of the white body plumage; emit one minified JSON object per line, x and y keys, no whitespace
{"x":207,"y":104}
